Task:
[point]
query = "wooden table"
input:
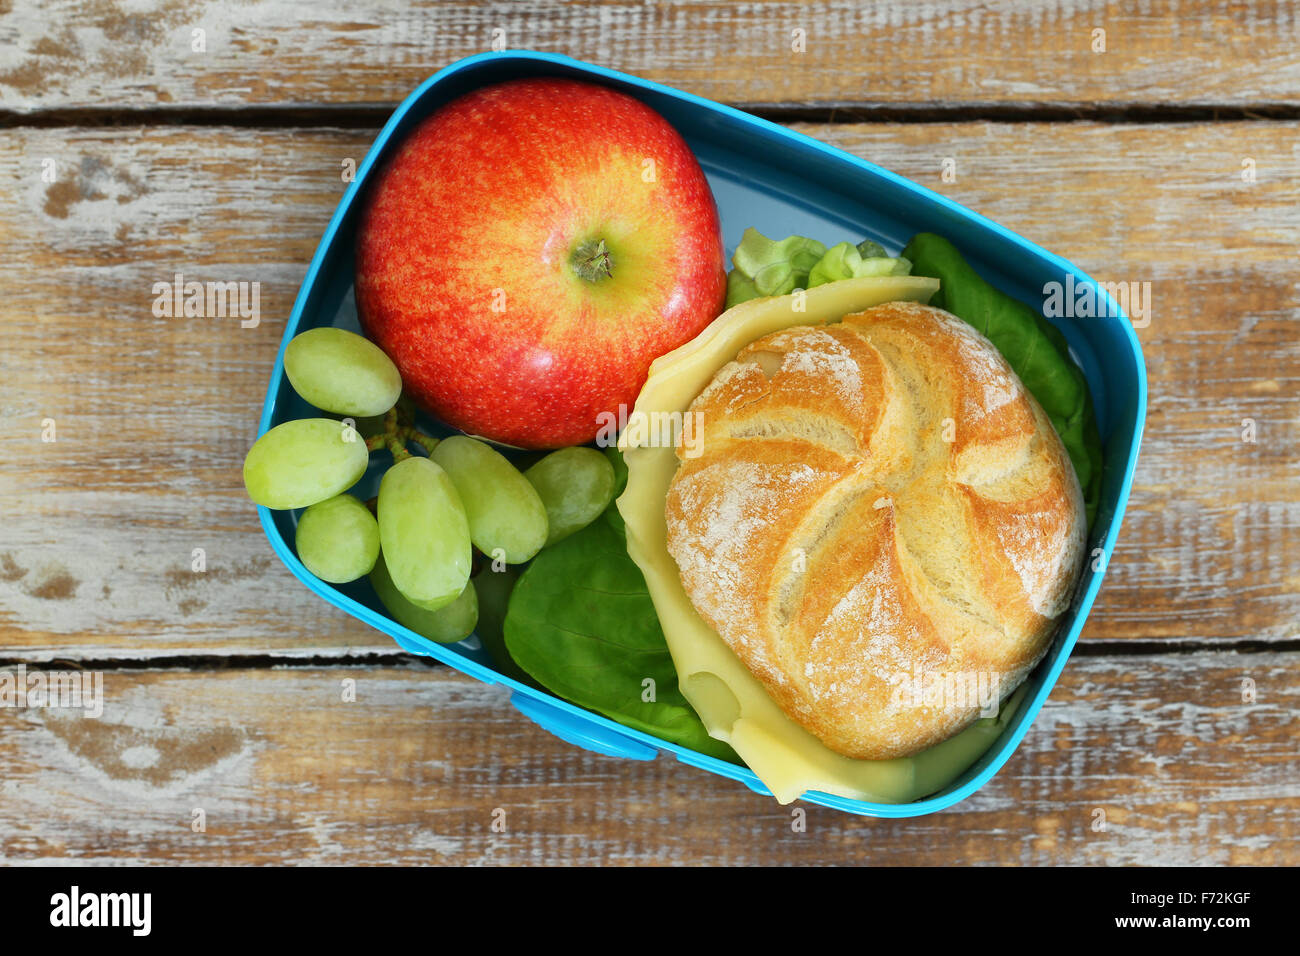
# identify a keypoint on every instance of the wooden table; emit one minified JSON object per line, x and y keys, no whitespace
{"x":136,"y":147}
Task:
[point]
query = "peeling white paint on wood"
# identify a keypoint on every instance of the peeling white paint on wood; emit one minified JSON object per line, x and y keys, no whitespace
{"x":285,"y":771}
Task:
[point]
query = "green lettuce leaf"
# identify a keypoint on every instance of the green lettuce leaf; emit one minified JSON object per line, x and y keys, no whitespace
{"x":1034,"y":347}
{"x":740,"y":288}
{"x":844,"y":261}
{"x":766,"y":266}
{"x":776,"y":267}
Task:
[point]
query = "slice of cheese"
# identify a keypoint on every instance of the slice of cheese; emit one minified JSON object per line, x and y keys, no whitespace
{"x":729,"y":699}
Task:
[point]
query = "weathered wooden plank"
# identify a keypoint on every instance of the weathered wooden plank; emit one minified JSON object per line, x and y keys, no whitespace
{"x":154,"y":415}
{"x":151,"y":416}
{"x":77,"y":53}
{"x":1134,"y":760}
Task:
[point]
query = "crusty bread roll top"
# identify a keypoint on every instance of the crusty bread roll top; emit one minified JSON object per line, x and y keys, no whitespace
{"x":881,"y":522}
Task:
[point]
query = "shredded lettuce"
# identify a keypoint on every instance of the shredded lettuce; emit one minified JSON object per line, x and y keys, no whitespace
{"x":846,"y":262}
{"x":776,"y":267}
{"x":769,"y":267}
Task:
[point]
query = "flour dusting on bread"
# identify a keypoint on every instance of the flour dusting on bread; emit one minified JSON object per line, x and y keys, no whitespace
{"x":875,"y":502}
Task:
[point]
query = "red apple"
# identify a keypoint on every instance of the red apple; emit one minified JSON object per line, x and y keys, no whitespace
{"x":529,"y":250}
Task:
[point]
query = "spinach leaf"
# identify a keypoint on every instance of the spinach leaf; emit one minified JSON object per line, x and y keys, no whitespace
{"x":581,"y":622}
{"x":1034,"y":347}
{"x":493,"y":589}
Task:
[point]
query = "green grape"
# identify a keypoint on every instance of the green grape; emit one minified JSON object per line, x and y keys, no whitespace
{"x":506,"y":517}
{"x":304,"y":461}
{"x":446,"y":625}
{"x":342,"y":372}
{"x":338,"y":539}
{"x":423,"y":533}
{"x":575,"y":485}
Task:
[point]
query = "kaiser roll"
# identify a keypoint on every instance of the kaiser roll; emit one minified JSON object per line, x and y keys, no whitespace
{"x":880,"y":521}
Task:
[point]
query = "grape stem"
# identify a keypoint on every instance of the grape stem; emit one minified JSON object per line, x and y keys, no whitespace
{"x":398,"y":431}
{"x":427,"y":442}
{"x":398,"y":448}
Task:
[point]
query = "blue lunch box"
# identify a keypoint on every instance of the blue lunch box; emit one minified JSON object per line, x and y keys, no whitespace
{"x":782,"y":183}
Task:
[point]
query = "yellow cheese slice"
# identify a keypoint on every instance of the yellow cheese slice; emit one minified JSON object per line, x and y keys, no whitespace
{"x":729,"y":699}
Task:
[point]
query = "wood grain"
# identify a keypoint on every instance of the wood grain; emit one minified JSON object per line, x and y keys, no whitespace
{"x":61,"y":54}
{"x":419,"y":766}
{"x":153,"y":416}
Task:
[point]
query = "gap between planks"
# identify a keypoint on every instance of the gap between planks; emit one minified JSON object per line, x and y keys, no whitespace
{"x":374,"y":115}
{"x":398,"y":659}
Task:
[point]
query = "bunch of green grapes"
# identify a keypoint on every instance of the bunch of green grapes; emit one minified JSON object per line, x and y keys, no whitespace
{"x":416,"y":540}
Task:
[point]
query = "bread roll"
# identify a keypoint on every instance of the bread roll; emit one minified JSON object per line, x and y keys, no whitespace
{"x":871,"y":510}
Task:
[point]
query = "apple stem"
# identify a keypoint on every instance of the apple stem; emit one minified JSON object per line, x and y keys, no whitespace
{"x":592,"y":260}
